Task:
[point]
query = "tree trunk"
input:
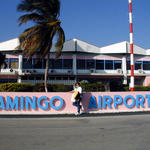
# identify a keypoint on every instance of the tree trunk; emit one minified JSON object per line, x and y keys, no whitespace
{"x":46,"y":72}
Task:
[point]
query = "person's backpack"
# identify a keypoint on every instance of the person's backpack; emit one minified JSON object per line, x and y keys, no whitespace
{"x":76,"y":96}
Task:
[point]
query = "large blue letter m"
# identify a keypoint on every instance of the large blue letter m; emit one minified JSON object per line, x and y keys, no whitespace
{"x":12,"y":104}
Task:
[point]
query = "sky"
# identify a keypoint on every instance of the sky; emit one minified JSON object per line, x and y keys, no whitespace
{"x":98,"y":22}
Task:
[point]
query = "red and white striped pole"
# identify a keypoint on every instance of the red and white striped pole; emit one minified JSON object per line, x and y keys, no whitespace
{"x":131,"y":47}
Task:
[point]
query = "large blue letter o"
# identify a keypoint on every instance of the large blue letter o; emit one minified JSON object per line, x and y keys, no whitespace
{"x":125,"y":101}
{"x":61,"y":102}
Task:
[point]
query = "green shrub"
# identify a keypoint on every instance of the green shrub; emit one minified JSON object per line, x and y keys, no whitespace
{"x":62,"y":88}
{"x":39,"y":87}
{"x":142,"y":88}
{"x":16,"y":87}
{"x":126,"y":88}
{"x":116,"y":86}
{"x":92,"y":87}
{"x":138,"y":88}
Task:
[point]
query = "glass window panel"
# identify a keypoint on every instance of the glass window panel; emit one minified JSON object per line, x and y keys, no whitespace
{"x":100,"y":64}
{"x":128,"y":65}
{"x":57,"y":64}
{"x":37,"y":64}
{"x":44,"y":63}
{"x":38,"y":78}
{"x":146,"y":65}
{"x":51,"y":78}
{"x":71,"y":78}
{"x":30,"y":78}
{"x":109,"y":64}
{"x":24,"y":78}
{"x":58,"y":78}
{"x":14,"y":63}
{"x":90,"y":64}
{"x":27,"y":64}
{"x":117,"y":64}
{"x":51,"y":63}
{"x":80,"y":64}
{"x":8,"y":80}
{"x":65,"y":78}
{"x":68,"y":63}
{"x":138,"y":65}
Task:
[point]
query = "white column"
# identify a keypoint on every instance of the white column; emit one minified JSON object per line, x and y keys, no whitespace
{"x":20,"y":63}
{"x":124,"y":66}
{"x":124,"y":69}
{"x":19,"y":79}
{"x":74,"y":64}
{"x":20,"y":67}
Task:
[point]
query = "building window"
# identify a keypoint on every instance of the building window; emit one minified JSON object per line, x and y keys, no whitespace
{"x":138,"y":65}
{"x":90,"y":63}
{"x":8,"y":80}
{"x":71,"y":78}
{"x":37,"y":63}
{"x":14,"y":63}
{"x":24,"y":78}
{"x":100,"y":64}
{"x":109,"y":64}
{"x":27,"y":64}
{"x":80,"y":64}
{"x":51,"y":78}
{"x":57,"y":64}
{"x":65,"y":78}
{"x":146,"y":65}
{"x":67,"y":63}
{"x":58,"y":78}
{"x":7,"y":64}
{"x":51,"y":63}
{"x":117,"y":64}
{"x":38,"y":78}
{"x":128,"y":65}
{"x":31,"y":78}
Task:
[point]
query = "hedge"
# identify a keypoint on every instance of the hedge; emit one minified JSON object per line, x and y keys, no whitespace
{"x":25,"y":87}
{"x":92,"y":87}
{"x":16,"y":87}
{"x":39,"y":87}
{"x":87,"y":87}
{"x":138,"y":88}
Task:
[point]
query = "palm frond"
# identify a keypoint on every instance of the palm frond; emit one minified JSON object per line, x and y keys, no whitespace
{"x":47,"y":42}
{"x":30,"y":17}
{"x":26,"y":6}
{"x":54,"y":23}
{"x":51,"y":6}
{"x":47,"y":8}
{"x":60,"y":41}
{"x":24,"y":36}
{"x":33,"y":40}
{"x":38,"y":39}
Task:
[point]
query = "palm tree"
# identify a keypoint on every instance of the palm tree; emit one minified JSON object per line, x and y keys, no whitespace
{"x":38,"y":39}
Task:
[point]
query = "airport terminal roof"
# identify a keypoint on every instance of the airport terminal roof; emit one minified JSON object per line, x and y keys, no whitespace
{"x":76,"y":45}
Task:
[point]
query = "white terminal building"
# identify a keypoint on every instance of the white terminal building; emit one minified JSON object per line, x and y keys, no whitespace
{"x":79,"y":61}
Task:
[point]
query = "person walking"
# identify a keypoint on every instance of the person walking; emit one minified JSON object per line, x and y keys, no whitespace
{"x":76,"y":97}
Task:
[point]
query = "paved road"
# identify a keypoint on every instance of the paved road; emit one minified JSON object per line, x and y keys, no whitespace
{"x":76,"y":133}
